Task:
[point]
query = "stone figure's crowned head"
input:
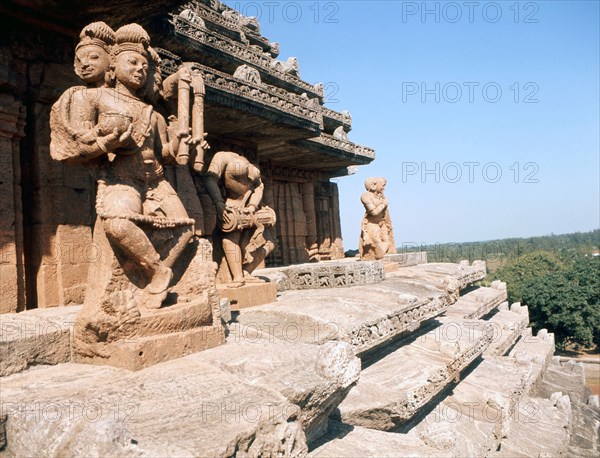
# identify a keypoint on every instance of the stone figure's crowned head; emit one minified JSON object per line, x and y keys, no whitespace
{"x":371,"y":184}
{"x":131,"y":57}
{"x":92,"y":54}
{"x":153,"y":90}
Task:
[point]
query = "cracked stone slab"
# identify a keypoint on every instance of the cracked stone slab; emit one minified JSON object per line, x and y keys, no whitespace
{"x":477,"y":412}
{"x":349,"y":441}
{"x":251,"y":398}
{"x":450,"y":277}
{"x":367,"y":317}
{"x":393,"y":389}
{"x":508,"y":326}
{"x":537,"y":350}
{"x":40,"y":336}
{"x":478,"y":302}
{"x":539,"y":427}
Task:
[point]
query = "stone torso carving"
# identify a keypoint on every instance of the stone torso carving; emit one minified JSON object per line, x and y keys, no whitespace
{"x":235,"y":187}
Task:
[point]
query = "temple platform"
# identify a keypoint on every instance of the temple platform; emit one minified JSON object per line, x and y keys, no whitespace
{"x":448,"y":369}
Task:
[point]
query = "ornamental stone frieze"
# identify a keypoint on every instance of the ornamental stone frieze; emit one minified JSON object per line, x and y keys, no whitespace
{"x":277,"y":98}
{"x":245,"y":53}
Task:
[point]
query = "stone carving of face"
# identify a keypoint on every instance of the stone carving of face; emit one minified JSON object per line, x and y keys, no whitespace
{"x":381,"y":184}
{"x":91,"y":63}
{"x":131,"y":69}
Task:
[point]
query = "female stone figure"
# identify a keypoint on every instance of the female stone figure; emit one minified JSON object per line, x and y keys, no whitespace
{"x":116,"y":127}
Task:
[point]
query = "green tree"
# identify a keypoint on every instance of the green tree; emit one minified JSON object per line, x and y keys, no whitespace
{"x":567,"y":302}
{"x":525,"y":270}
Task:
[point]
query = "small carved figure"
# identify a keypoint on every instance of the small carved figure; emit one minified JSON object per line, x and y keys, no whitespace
{"x":376,"y":237}
{"x":340,"y":134}
{"x":247,"y":73}
{"x":242,"y":218}
{"x":290,"y":66}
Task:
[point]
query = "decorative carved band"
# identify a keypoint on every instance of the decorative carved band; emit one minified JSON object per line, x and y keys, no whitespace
{"x":342,"y":118}
{"x":348,"y":147}
{"x":202,"y":35}
{"x":265,"y":94}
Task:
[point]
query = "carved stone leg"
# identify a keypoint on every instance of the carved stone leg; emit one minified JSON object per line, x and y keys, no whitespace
{"x":233,"y":255}
{"x":114,"y":327}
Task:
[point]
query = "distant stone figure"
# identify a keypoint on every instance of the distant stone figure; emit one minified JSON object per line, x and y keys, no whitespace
{"x":235,"y":187}
{"x":377,"y":237}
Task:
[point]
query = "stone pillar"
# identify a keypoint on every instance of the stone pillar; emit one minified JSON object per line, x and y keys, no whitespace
{"x":308,"y":201}
{"x":12,"y":270}
{"x":328,"y":221}
{"x":337,"y":247}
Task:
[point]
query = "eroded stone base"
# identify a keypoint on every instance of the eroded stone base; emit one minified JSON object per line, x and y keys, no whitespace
{"x":249,"y":295}
{"x":136,"y":354}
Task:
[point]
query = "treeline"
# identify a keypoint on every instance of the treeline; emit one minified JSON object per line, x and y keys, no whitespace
{"x":556,"y":276}
{"x":563,"y":294}
{"x":499,"y":252}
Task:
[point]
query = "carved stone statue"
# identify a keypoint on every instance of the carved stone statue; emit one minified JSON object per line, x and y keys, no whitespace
{"x":92,"y":54}
{"x":376,"y":238}
{"x":142,"y":227}
{"x":235,"y":187}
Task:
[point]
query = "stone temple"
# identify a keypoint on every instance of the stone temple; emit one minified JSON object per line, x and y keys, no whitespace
{"x":173,"y":276}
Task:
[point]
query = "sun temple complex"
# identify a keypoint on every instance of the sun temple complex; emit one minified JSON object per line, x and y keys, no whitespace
{"x":254,"y":105}
{"x":173,"y":275}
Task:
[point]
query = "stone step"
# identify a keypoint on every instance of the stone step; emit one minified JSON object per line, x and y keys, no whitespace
{"x":478,"y":302}
{"x":39,"y":336}
{"x":479,"y":408}
{"x":585,"y":430}
{"x":350,"y":441}
{"x":341,"y":273}
{"x":508,"y":325}
{"x":472,"y":420}
{"x":451,"y":277}
{"x":538,"y":350}
{"x":250,"y":396}
{"x":367,"y":317}
{"x":539,"y":428}
{"x":568,"y":377}
{"x":392,"y":390}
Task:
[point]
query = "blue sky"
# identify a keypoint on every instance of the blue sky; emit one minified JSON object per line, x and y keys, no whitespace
{"x":515,"y":153}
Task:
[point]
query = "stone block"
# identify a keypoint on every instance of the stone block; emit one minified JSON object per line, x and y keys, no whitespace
{"x":35,"y":337}
{"x":199,"y":405}
{"x":367,"y":317}
{"x":10,"y":290}
{"x":140,"y":352}
{"x":249,"y":295}
{"x":407,"y":259}
{"x":393,"y":389}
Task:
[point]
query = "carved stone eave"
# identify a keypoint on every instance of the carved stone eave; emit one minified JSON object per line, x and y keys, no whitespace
{"x":272,"y":103}
{"x":356,"y":154}
{"x":208,"y":41}
{"x":325,"y":154}
{"x":218,"y":20}
{"x":333,"y":119}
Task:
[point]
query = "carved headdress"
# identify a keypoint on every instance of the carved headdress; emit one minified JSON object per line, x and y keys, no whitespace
{"x":97,"y":33}
{"x":132,"y":37}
